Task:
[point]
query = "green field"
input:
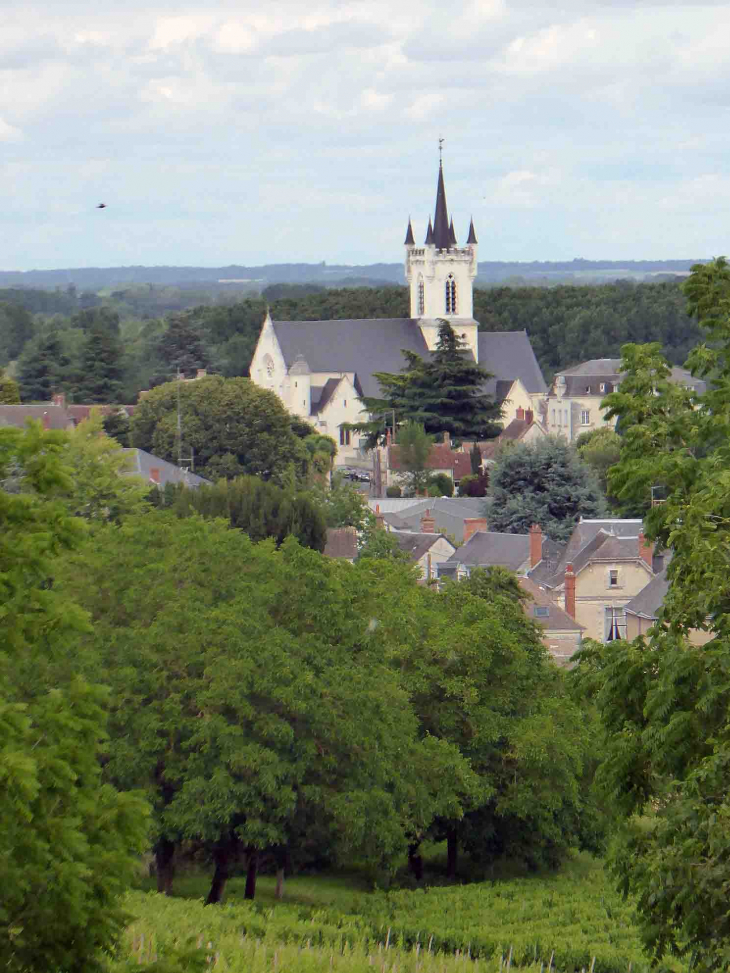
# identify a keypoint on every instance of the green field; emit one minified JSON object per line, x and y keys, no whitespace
{"x":572,"y":920}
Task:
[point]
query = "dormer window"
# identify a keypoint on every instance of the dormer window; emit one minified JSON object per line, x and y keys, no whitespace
{"x":450,"y":295}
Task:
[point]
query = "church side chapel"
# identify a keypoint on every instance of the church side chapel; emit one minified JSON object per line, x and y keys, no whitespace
{"x":321,"y":369}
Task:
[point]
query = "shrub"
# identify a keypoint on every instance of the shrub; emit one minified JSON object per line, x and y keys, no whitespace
{"x":393,"y":491}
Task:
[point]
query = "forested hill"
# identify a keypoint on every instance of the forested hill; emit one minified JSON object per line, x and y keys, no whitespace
{"x":54,"y":338}
{"x":490,"y":271}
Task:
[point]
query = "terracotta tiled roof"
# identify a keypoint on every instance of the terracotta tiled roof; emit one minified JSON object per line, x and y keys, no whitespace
{"x":441,"y":457}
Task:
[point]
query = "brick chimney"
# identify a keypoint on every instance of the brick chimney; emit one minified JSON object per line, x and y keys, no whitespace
{"x":59,"y":399}
{"x":201,"y":373}
{"x":570,"y":590}
{"x":520,"y":413}
{"x":428,"y":524}
{"x":447,"y":439}
{"x":379,"y":518}
{"x":155,"y":474}
{"x":646,"y":550}
{"x":535,"y":545}
{"x":472,"y":525}
{"x":529,"y":417}
{"x":46,"y":421}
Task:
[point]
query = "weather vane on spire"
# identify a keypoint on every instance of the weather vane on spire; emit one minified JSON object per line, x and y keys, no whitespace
{"x":441,"y":149}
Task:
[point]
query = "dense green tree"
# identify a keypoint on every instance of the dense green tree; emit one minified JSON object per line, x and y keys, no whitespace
{"x":16,"y":328}
{"x":307,"y":733}
{"x":68,"y":842}
{"x":664,"y":703}
{"x":446,"y":392}
{"x":231,"y":426}
{"x":344,"y":505}
{"x":414,"y":446}
{"x":543,"y":483}
{"x":99,"y":368}
{"x":117,"y":426}
{"x":42,"y":368}
{"x":181,"y":347}
{"x":259,"y":508}
{"x":383,"y":545}
{"x":102,"y":319}
{"x":9,"y":390}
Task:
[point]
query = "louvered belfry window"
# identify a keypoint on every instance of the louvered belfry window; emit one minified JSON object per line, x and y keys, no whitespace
{"x":421,"y":298}
{"x":450,"y":295}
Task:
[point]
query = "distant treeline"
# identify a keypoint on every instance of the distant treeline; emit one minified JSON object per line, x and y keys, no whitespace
{"x":322,"y":273}
{"x":150,"y":332}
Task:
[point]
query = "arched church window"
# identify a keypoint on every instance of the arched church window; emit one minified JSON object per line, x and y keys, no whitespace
{"x":269,"y":366}
{"x":450,"y":295}
{"x":421,"y":297}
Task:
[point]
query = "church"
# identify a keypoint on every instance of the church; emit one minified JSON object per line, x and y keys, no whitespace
{"x":319,"y":369}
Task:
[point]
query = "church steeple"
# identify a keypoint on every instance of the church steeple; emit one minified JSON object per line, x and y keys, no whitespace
{"x":472,"y":238}
{"x":452,"y":233}
{"x":441,"y":234}
{"x":429,"y":234}
{"x":409,"y":240}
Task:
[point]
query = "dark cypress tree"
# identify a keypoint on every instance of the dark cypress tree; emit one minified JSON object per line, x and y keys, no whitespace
{"x":42,"y":368}
{"x":181,"y":347}
{"x":447,"y":394}
{"x":99,"y":377}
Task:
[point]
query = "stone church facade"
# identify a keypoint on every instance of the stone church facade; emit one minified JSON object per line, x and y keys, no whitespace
{"x":319,"y":369}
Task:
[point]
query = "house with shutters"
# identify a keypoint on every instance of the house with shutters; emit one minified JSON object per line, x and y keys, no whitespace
{"x":320,"y":369}
{"x":603,"y":567}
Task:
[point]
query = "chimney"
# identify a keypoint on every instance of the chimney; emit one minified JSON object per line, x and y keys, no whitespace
{"x":570,"y":590}
{"x":447,"y":439}
{"x":387,"y":436}
{"x":201,"y":373}
{"x":529,"y":417}
{"x":59,"y":399}
{"x":428,"y":524}
{"x":646,"y":550}
{"x":535,"y":545}
{"x":46,"y":421}
{"x":472,"y":525}
{"x":155,"y":474}
{"x":379,"y":518}
{"x":520,"y":413}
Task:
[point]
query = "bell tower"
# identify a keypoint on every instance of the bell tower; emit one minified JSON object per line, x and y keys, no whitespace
{"x":441,"y":275}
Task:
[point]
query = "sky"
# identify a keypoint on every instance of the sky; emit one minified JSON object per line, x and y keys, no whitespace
{"x":282,"y":131}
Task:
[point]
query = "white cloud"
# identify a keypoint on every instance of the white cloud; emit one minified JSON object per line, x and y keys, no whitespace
{"x":9,"y":133}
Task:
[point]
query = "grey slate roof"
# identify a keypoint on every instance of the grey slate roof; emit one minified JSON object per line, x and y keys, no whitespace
{"x":326,"y":392}
{"x":52,"y":416}
{"x":490,"y":549}
{"x":556,"y":620}
{"x":341,"y":543}
{"x":142,"y":463}
{"x":587,"y":378}
{"x":509,"y":355}
{"x":374,"y":345}
{"x":651,"y":598}
{"x":448,"y":513}
{"x":415,"y":545}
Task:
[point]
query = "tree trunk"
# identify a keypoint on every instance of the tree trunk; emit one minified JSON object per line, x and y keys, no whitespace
{"x":279,"y":894}
{"x":415,"y":862}
{"x":452,"y":853}
{"x":253,"y":864}
{"x":222,"y":859}
{"x":165,"y":865}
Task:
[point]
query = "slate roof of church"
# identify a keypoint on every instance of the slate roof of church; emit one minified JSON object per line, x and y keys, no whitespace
{"x":372,"y":345}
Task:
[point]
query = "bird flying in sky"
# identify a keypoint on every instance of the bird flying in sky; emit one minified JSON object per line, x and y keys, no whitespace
{"x":101,"y":206}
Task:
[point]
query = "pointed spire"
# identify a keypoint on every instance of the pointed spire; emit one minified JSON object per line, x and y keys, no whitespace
{"x":452,"y":233}
{"x":441,"y":235}
{"x":429,"y":233}
{"x":409,"y":241}
{"x":472,"y":238}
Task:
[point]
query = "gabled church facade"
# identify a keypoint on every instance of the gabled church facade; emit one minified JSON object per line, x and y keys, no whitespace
{"x":319,"y":369}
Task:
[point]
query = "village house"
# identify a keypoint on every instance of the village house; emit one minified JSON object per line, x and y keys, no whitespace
{"x":320,"y":369}
{"x":643,"y":611}
{"x":573,"y":404}
{"x":562,"y":635}
{"x":605,"y":564}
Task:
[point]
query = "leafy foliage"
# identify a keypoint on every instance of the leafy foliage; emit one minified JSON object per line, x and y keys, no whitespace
{"x":414,"y":448}
{"x":232,"y":426}
{"x":68,"y":842}
{"x":542,"y":483}
{"x":664,"y":702}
